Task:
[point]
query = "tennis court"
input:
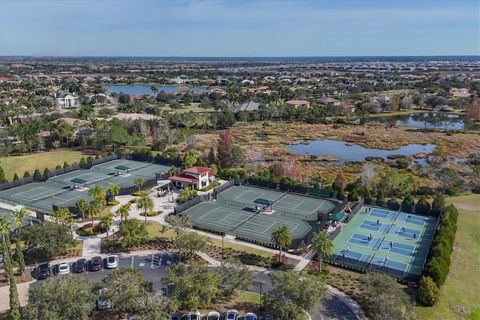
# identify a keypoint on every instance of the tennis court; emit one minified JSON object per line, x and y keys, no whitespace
{"x":234,"y":213}
{"x":58,"y":191}
{"x":383,"y":240}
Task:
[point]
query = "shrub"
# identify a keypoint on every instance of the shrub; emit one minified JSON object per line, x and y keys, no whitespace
{"x":402,"y":163}
{"x":137,"y":194}
{"x":353,"y":196}
{"x":423,"y":202}
{"x":113,"y":203}
{"x":151,"y":213}
{"x":428,"y":292}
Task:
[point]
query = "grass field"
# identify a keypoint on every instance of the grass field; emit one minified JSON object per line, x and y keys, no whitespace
{"x":461,"y":288}
{"x":40,"y":160}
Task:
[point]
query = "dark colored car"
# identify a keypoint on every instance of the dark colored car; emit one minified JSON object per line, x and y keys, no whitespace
{"x":96,"y":264}
{"x":43,"y":271}
{"x":80,"y":265}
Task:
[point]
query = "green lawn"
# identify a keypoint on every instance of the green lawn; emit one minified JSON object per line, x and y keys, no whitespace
{"x":247,"y":297}
{"x":461,"y":287}
{"x":193,"y":107}
{"x":155,"y":229}
{"x":40,"y":160}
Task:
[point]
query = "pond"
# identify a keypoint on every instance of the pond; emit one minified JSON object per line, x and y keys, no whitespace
{"x":344,"y":151}
{"x":142,"y":89}
{"x":428,"y":120}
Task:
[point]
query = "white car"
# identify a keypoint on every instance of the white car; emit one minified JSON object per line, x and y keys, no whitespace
{"x":251,"y":316}
{"x":232,"y":314}
{"x":63,"y":268}
{"x":213,"y":315}
{"x":112,"y":262}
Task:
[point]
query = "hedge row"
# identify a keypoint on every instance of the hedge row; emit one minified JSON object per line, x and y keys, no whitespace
{"x":438,"y":266}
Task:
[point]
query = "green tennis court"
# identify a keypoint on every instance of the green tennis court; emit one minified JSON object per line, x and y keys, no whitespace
{"x":383,"y":240}
{"x":58,"y":191}
{"x":233,"y":213}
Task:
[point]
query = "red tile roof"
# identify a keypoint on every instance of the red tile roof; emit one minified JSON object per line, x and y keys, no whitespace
{"x":198,"y":170}
{"x":183,"y":178}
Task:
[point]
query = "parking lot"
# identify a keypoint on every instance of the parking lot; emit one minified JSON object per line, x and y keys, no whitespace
{"x":153,"y":268}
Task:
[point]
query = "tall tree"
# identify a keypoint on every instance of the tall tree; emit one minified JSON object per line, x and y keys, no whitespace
{"x":98,"y":193}
{"x":19,"y":217}
{"x":139,"y":182}
{"x":2,"y":176}
{"x":113,"y":189}
{"x":224,"y":149}
{"x":106,"y":222}
{"x":473,"y":110}
{"x":282,"y":238}
{"x":123,"y":212}
{"x":19,"y":255}
{"x":322,"y":246}
{"x":93,"y":209}
{"x":82,"y":206}
{"x":60,"y":298}
{"x":145,"y":203}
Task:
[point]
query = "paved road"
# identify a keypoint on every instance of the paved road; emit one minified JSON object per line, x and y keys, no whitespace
{"x":153,"y":268}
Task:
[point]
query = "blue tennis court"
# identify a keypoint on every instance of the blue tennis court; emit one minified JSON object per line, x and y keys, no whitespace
{"x":373,"y":226}
{"x":396,"y":242}
{"x":382,"y":213}
{"x":406,"y":233}
{"x":397,"y":247}
{"x":363,"y":240}
{"x":385,"y":262}
{"x":408,"y":218}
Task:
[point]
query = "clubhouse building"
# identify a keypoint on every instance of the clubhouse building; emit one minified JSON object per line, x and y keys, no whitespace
{"x":195,"y":178}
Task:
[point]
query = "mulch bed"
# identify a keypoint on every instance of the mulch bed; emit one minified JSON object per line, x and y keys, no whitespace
{"x":26,"y":277}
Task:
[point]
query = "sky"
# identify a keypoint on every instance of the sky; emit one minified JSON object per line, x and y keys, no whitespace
{"x":239,"y":28}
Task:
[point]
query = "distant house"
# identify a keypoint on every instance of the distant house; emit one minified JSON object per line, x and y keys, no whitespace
{"x":247,"y":82}
{"x":329,"y":101}
{"x":298,"y":103}
{"x":347,"y":107}
{"x":247,"y":106}
{"x":460,"y":92}
{"x":195,"y":178}
{"x":89,"y":79}
{"x":381,"y":99}
{"x":106,"y":79}
{"x":66,"y":100}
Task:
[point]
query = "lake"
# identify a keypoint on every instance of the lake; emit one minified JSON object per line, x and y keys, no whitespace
{"x":428,"y":120}
{"x":140,"y":89}
{"x":344,"y":151}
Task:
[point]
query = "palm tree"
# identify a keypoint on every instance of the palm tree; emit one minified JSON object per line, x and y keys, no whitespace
{"x":123,"y":211}
{"x":323,"y":246}
{"x":106,"y":222}
{"x":19,"y":217}
{"x":82,"y":206}
{"x":5,"y":228}
{"x":145,"y":203}
{"x":113,"y":189}
{"x":93,"y":209}
{"x":98,"y":193}
{"x":139,"y":182}
{"x":61,"y":215}
{"x":173,"y":170}
{"x":282,"y":238}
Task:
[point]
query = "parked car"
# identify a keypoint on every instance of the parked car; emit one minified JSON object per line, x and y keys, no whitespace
{"x":43,"y":271}
{"x":63,"y":268}
{"x":194,"y":315}
{"x":213,"y":315}
{"x":250,"y":316}
{"x":112,"y":262}
{"x":80,"y":265}
{"x":96,"y":264}
{"x":232,"y":314}
{"x":268,"y":316}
